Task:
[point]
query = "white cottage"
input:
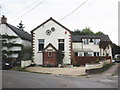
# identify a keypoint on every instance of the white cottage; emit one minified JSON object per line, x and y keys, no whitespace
{"x":51,"y":36}
{"x":20,"y":38}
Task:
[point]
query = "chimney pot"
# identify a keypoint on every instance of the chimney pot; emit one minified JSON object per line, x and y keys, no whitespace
{"x":3,"y":19}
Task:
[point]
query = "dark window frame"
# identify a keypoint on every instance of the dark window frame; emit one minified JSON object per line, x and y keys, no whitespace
{"x":40,"y":44}
{"x":61,"y":44}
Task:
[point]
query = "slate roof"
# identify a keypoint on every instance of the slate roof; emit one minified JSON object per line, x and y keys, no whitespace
{"x":21,"y":33}
{"x":78,"y":38}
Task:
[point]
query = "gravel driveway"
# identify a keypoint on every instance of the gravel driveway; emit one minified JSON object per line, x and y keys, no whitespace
{"x":74,"y":71}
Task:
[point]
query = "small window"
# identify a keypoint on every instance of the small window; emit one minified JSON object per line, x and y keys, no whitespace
{"x":76,"y":53}
{"x":86,"y":41}
{"x":90,"y":53}
{"x":53,"y":29}
{"x":96,"y":53}
{"x":80,"y":53}
{"x":40,"y":44}
{"x":96,"y":41}
{"x":61,"y":44}
{"x":49,"y":54}
{"x":86,"y":54}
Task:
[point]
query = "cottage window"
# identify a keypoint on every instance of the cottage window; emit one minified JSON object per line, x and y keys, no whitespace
{"x":96,"y":41}
{"x":40,"y":44}
{"x":86,"y":41}
{"x":90,"y":53}
{"x":61,"y":44}
{"x":80,"y":53}
{"x":87,"y":53}
{"x":96,"y":53}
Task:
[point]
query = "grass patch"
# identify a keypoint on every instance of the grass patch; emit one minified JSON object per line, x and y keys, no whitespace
{"x":39,"y":72}
{"x":100,"y":70}
{"x":18,"y":68}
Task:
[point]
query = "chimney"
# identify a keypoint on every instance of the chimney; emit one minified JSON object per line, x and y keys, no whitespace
{"x":3,"y":19}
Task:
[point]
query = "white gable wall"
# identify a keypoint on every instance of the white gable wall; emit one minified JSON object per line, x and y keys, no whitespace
{"x":59,"y":33}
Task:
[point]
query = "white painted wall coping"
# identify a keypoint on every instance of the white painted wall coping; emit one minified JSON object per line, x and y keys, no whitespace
{"x":98,"y":65}
{"x":25,"y":63}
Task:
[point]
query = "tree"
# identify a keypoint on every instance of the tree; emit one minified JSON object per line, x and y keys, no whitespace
{"x":99,"y":33}
{"x":103,"y":45}
{"x":26,"y":53}
{"x":21,"y":26}
{"x":87,"y":31}
{"x":7,"y":52}
{"x":77,"y":32}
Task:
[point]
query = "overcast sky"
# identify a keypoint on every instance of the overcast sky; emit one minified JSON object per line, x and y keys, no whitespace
{"x":98,"y":15}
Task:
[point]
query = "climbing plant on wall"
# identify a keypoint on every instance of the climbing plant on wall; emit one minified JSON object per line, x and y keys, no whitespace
{"x":60,"y":56}
{"x":7,"y":45}
{"x":103,"y":45}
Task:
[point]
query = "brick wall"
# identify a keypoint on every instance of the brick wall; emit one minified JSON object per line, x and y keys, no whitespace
{"x":82,"y":60}
{"x":50,"y":60}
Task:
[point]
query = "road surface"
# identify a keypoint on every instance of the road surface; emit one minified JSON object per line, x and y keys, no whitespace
{"x":16,"y":79}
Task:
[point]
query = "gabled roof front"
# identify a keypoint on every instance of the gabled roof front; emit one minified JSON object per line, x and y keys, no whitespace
{"x":78,"y":38}
{"x":48,"y":21}
{"x":22,"y":34}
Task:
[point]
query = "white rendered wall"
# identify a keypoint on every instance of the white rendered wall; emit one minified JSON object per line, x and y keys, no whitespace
{"x":91,"y":46}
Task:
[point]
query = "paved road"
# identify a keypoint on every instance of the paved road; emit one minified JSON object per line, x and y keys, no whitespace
{"x":16,"y":79}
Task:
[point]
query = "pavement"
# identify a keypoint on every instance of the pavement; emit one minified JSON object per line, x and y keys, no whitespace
{"x":74,"y":71}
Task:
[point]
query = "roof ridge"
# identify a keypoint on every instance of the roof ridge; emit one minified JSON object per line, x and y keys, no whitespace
{"x":49,"y":20}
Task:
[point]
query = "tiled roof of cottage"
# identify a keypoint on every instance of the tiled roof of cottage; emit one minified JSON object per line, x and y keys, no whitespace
{"x":21,"y":33}
{"x":78,"y":38}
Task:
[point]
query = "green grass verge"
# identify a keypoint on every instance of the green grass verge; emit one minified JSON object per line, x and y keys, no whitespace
{"x":100,"y":70}
{"x":18,"y":68}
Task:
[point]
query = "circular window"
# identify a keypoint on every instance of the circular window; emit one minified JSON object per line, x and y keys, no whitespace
{"x":53,"y":29}
{"x":48,"y":32}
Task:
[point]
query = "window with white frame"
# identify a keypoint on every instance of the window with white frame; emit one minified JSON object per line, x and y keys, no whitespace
{"x":86,"y":41}
{"x":40,"y":44}
{"x":96,"y":41}
{"x":88,"y":53}
{"x":80,"y":53}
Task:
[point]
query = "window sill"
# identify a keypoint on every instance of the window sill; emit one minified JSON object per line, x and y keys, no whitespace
{"x":39,"y":52}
